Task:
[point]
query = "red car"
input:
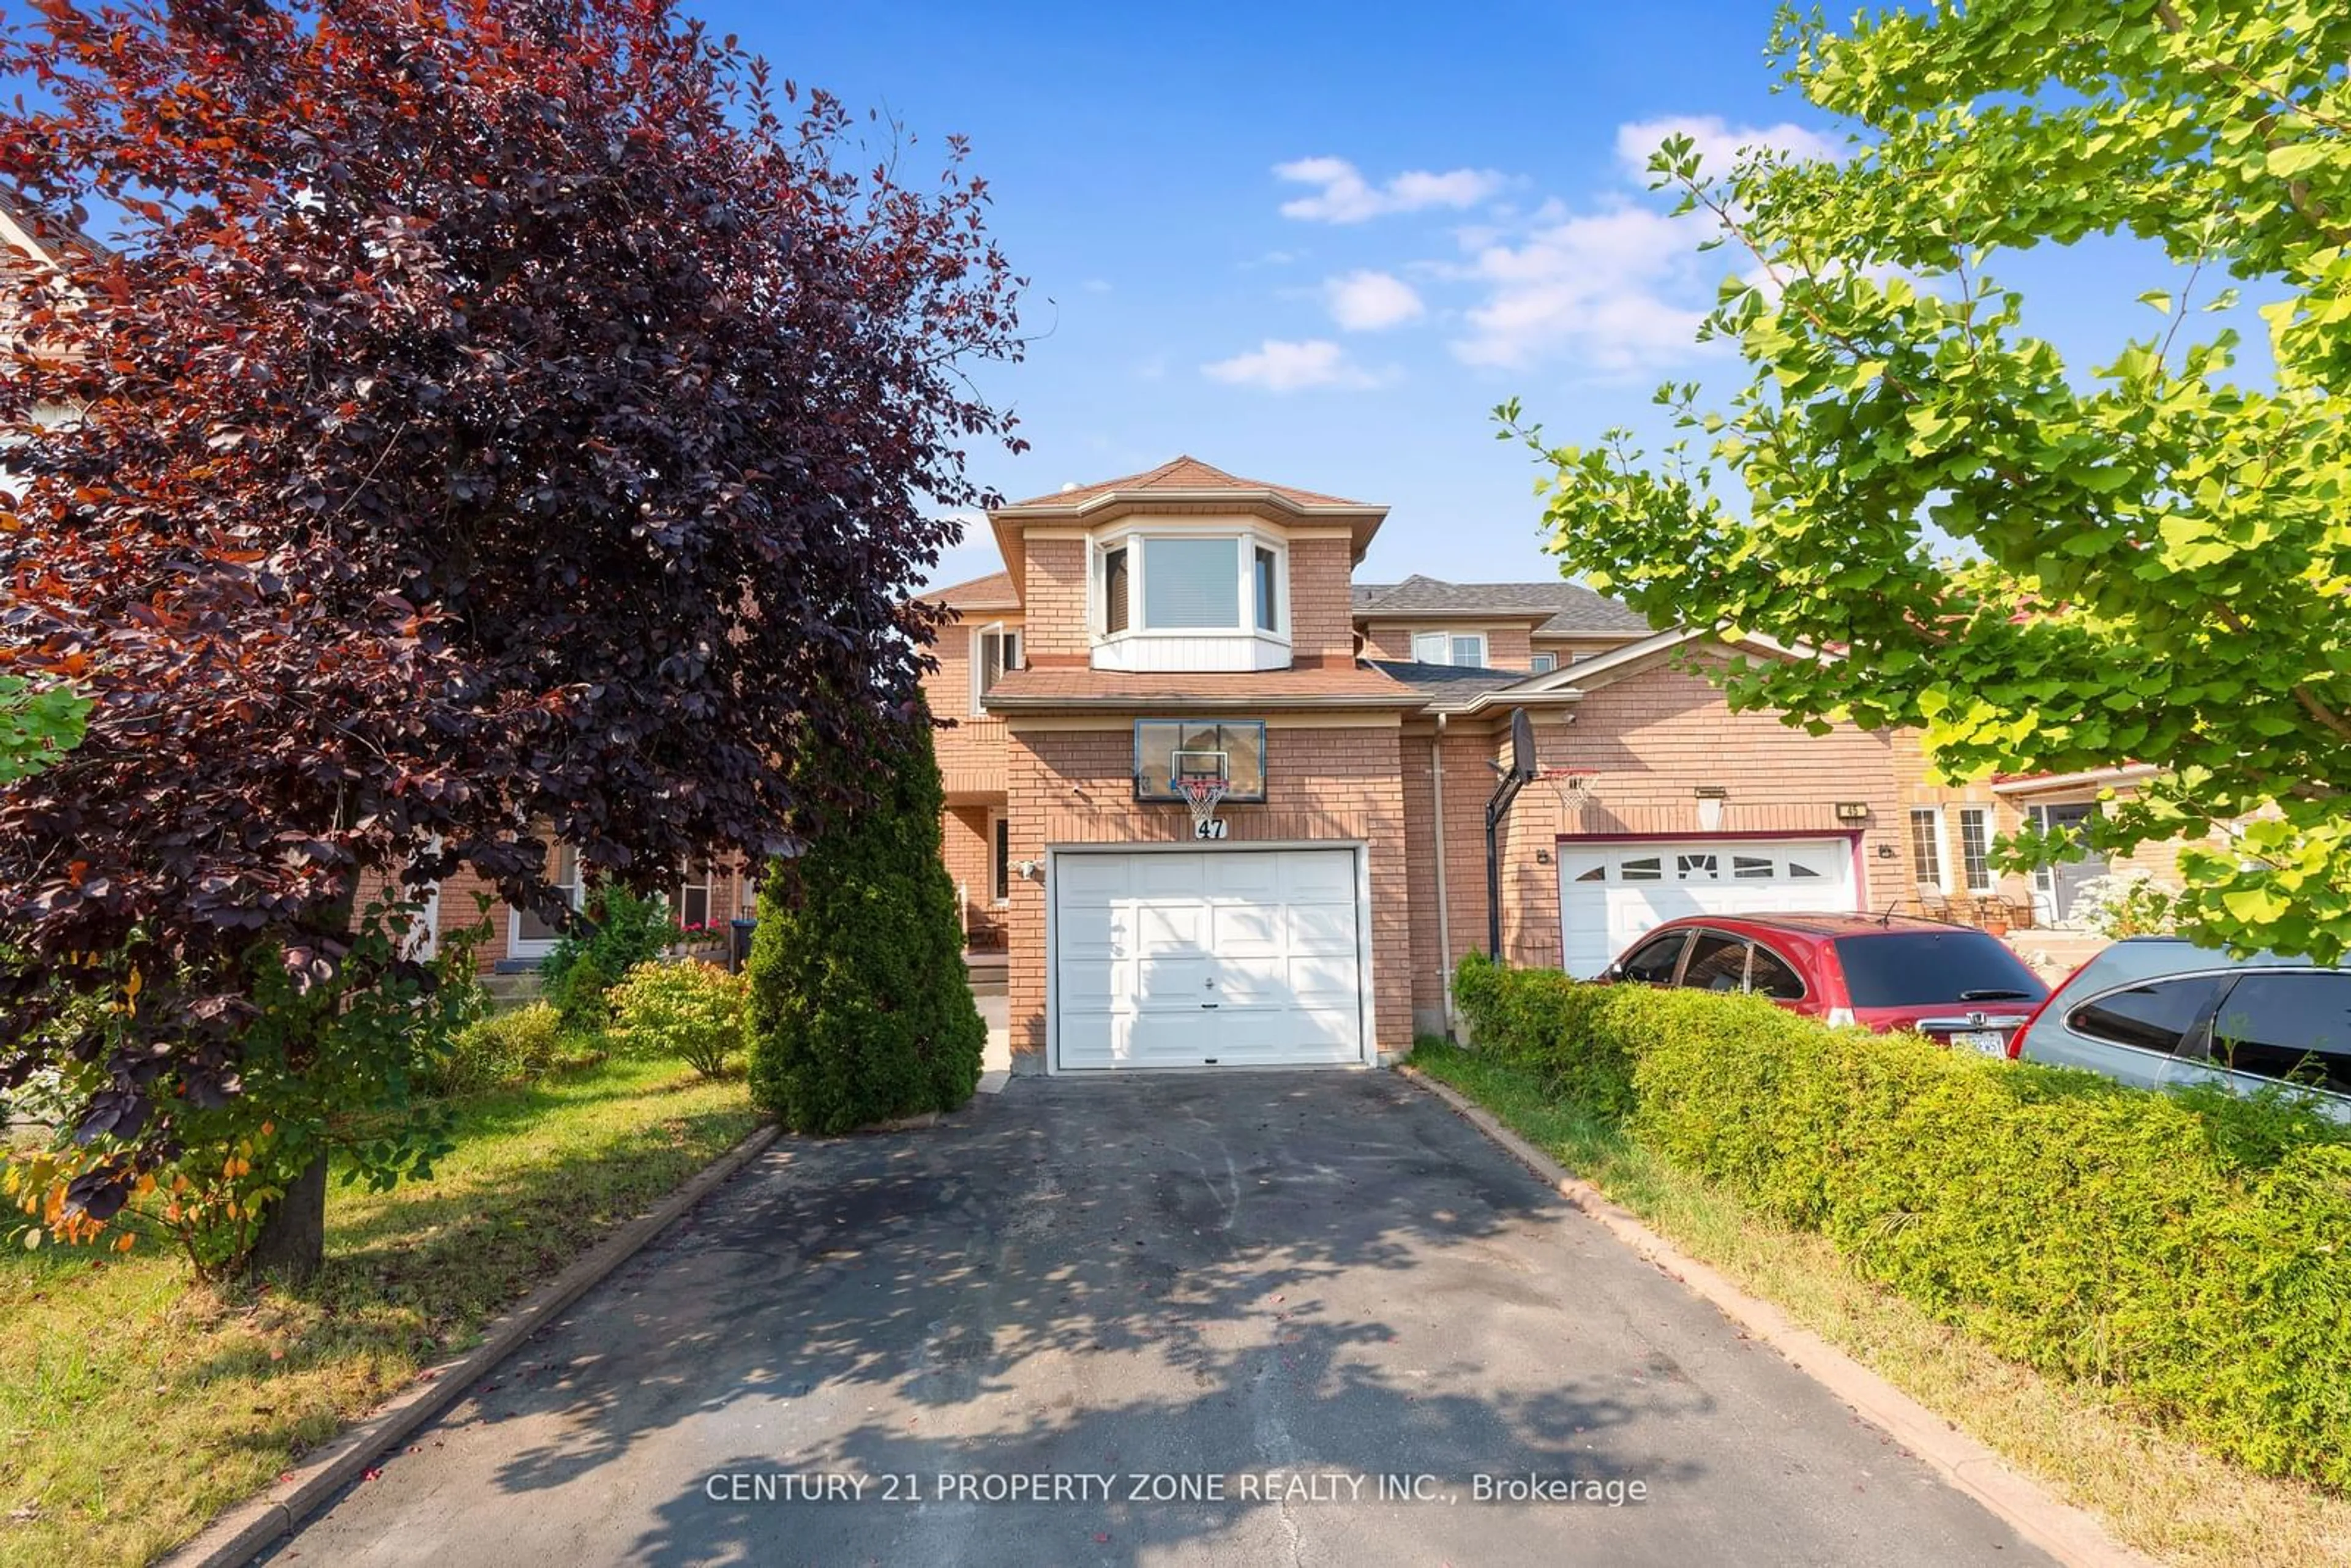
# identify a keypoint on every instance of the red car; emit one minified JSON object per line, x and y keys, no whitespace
{"x":1958,"y":984}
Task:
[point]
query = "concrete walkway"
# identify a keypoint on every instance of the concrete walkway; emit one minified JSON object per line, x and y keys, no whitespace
{"x":1282,"y":1287}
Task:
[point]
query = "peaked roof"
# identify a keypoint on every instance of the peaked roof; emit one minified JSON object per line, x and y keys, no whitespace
{"x":1567,"y":607}
{"x":996,"y":590}
{"x":1184,"y":473}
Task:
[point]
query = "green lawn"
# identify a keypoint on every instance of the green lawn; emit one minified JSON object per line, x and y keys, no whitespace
{"x":2164,"y":1495}
{"x":134,"y":1406}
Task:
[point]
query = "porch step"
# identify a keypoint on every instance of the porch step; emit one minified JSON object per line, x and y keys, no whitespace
{"x":509,"y":991}
{"x":987,"y":973}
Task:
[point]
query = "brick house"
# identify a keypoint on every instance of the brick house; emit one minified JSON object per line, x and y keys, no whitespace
{"x":1184,"y":622}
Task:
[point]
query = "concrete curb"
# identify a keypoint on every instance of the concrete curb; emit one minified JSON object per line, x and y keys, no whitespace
{"x":242,"y":1534}
{"x":2068,"y":1534}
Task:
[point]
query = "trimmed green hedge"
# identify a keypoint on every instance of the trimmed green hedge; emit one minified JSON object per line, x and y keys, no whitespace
{"x":2191,"y":1251}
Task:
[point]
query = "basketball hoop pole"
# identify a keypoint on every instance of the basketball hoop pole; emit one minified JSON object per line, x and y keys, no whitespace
{"x":1514,"y":778}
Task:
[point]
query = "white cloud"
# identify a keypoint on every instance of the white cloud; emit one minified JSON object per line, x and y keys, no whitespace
{"x":1280,"y":367}
{"x":1616,"y":289}
{"x":1367,"y":301}
{"x":1346,"y":197}
{"x":1620,"y":286}
{"x":1718,"y":141}
{"x":1096,"y":285}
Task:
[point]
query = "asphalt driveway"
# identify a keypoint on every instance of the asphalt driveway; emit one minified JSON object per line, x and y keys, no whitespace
{"x":1276,"y":1287}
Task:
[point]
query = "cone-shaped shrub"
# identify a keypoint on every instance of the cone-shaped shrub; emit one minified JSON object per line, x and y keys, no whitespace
{"x":860,"y":1008}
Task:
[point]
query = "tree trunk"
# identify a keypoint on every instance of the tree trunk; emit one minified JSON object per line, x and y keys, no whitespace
{"x":293,"y":1240}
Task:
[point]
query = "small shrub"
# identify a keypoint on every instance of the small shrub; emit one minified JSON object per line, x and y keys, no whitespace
{"x":2183,"y":1249}
{"x":500,"y":1051}
{"x":2130,"y":905}
{"x":621,"y":930}
{"x":690,"y":1011}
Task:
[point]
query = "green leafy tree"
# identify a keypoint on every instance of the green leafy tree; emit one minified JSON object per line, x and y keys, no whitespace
{"x":37,"y":725}
{"x":860,"y":1009}
{"x":2153,"y":553}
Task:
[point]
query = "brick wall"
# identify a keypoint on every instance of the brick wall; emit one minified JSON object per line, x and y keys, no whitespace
{"x":964,"y":848}
{"x":1053,"y":572}
{"x":970,"y":748}
{"x":1652,"y":739}
{"x":1322,"y":622}
{"x":1075,"y":787}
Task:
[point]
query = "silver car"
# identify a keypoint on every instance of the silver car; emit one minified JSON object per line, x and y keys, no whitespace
{"x":2157,"y":1011}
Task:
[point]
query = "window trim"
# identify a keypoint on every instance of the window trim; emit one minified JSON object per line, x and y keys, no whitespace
{"x":1015,"y":657}
{"x":1942,"y":880}
{"x":1450,"y":633}
{"x":709,"y":886}
{"x":521,"y":946}
{"x":1542,"y":662}
{"x":1991,"y":876}
{"x":1135,"y":539}
{"x":999,"y":860}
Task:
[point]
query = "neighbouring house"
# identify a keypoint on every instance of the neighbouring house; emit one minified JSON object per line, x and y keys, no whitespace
{"x":1184,"y":623}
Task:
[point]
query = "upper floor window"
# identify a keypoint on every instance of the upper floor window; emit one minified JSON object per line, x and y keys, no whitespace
{"x":1190,"y":583}
{"x":1465,"y":648}
{"x":1544,"y":664}
{"x":994,"y":649}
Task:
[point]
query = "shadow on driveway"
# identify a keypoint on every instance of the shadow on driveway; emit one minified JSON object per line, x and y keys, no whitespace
{"x":1327,"y":1276}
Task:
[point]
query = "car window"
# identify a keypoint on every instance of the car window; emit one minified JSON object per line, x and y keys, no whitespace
{"x":1652,"y":963}
{"x":1768,"y":975}
{"x":1717,"y":963}
{"x":1912,"y":968}
{"x":2155,"y":1015}
{"x":2289,"y":1026}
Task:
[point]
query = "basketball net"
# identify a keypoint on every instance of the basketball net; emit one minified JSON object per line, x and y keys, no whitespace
{"x":1204,"y":796}
{"x":1572,"y":785}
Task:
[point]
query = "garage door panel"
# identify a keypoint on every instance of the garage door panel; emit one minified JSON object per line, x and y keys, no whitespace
{"x":1170,"y":927}
{"x":1610,"y":897}
{"x":1323,"y":928}
{"x":1311,"y":877}
{"x":1246,"y":931}
{"x":1158,"y":876}
{"x":1092,"y":1037}
{"x":1143,"y":940}
{"x":1323,"y":980}
{"x":1081,"y":880}
{"x":1175,"y":982}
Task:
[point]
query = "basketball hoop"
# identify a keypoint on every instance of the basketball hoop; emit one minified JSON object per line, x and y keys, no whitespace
{"x":1204,"y":794}
{"x":1573,"y":786}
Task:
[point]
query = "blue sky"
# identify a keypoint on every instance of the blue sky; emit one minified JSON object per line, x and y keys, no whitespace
{"x":1316,"y":244}
{"x":1345,"y":331}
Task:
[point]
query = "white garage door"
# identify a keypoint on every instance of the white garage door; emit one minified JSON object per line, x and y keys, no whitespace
{"x":1206,"y":958}
{"x":1611,"y":893}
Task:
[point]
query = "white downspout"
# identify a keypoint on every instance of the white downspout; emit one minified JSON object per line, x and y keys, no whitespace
{"x":1436,"y":831}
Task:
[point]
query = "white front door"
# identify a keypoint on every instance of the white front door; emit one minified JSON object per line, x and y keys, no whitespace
{"x":1610,"y":894}
{"x":1232,"y":957}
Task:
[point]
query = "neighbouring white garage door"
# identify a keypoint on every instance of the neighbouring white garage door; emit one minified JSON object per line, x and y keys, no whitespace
{"x":1611,"y":893}
{"x":1231,"y":958}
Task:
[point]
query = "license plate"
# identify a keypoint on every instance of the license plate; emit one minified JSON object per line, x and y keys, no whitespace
{"x":1991,"y":1042}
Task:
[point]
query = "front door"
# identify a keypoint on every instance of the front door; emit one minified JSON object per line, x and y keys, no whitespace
{"x":2062,"y":883}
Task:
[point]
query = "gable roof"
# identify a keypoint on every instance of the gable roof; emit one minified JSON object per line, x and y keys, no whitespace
{"x":1567,"y":608}
{"x":994,"y":592}
{"x":1182,"y":473}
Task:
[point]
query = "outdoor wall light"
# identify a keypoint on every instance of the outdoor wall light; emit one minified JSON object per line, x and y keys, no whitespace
{"x":1029,"y":871}
{"x":1710,"y":798}
{"x":1542,"y":857}
{"x":1886,"y":851}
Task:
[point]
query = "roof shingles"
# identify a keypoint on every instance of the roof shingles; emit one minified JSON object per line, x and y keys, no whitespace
{"x":1182,"y":473}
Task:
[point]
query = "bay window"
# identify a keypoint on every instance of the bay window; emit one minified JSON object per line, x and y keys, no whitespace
{"x":1190,"y":584}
